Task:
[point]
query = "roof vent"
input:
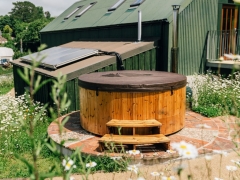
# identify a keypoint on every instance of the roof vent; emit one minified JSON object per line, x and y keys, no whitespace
{"x":116,"y":5}
{"x":85,"y":10}
{"x":137,"y":3}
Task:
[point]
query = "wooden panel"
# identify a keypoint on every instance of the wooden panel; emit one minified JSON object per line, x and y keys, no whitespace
{"x":136,"y":139}
{"x":134,"y":123}
{"x":166,"y":107}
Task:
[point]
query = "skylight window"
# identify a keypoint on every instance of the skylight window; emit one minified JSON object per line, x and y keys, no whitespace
{"x":87,"y":8}
{"x":137,"y":3}
{"x":116,"y":5}
{"x":68,"y":16}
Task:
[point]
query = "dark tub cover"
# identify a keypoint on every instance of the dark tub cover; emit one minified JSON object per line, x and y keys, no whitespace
{"x":132,"y":81}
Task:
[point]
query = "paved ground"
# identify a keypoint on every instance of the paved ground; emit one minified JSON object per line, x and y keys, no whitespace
{"x":207,"y":134}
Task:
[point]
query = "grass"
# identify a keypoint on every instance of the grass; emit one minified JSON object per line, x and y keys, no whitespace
{"x":5,"y":71}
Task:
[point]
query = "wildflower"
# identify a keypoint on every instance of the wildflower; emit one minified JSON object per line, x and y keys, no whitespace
{"x":168,"y":178}
{"x":91,"y":164}
{"x":133,"y":168}
{"x":231,"y":168}
{"x":133,"y":152}
{"x":67,"y":164}
{"x":155,"y":174}
{"x":236,"y":162}
{"x":208,"y":158}
{"x":190,"y":153}
{"x":171,"y":151}
{"x":185,"y":149}
{"x":220,"y":152}
{"x":140,"y":178}
{"x":71,"y":178}
{"x":217,"y":178}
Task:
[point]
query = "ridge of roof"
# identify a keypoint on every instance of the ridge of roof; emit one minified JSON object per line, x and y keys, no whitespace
{"x":98,"y":15}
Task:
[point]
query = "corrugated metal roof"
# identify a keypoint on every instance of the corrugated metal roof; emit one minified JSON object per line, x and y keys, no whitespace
{"x":98,"y":14}
{"x":125,"y":49}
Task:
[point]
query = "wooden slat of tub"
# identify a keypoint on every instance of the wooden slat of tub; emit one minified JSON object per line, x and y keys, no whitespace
{"x":125,"y":106}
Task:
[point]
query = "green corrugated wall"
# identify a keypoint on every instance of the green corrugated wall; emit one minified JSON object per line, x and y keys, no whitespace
{"x":144,"y":61}
{"x":126,"y":32}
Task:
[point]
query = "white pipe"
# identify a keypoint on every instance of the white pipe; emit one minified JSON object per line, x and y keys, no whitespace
{"x":139,"y":25}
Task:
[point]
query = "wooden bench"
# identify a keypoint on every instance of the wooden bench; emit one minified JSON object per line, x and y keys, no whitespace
{"x":134,"y":139}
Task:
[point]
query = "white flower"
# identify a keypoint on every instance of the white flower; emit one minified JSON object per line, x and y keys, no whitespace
{"x":171,"y":151}
{"x":190,"y":153}
{"x":208,"y":158}
{"x":203,"y":126}
{"x":71,"y":178}
{"x":168,"y":178}
{"x":236,"y":162}
{"x":91,"y":164}
{"x":133,"y":168}
{"x":133,"y":152}
{"x":220,"y":152}
{"x":217,"y":178}
{"x":185,"y":149}
{"x":155,"y":174}
{"x":140,"y":178}
{"x":231,"y":168}
{"x":67,"y":164}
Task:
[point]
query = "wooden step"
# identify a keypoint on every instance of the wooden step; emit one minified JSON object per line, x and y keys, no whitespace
{"x":135,"y":139}
{"x":134,"y":123}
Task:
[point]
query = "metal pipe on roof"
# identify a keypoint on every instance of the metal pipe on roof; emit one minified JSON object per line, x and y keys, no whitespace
{"x":174,"y":50}
{"x":139,"y":25}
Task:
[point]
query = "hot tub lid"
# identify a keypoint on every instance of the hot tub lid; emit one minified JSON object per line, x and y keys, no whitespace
{"x":132,"y":81}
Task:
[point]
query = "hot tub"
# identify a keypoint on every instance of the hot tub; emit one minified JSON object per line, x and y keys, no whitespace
{"x":132,"y":95}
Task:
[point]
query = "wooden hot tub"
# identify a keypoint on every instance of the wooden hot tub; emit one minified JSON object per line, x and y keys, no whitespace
{"x":132,"y":95}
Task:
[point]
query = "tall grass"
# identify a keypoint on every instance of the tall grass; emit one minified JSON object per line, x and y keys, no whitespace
{"x":6,"y":83}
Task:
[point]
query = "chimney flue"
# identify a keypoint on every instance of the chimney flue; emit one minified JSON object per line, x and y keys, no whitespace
{"x":174,"y":50}
{"x":139,"y":26}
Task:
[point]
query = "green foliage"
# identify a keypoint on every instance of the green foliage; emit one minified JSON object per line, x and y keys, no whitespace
{"x":32,"y":33}
{"x":7,"y":29}
{"x":24,"y":23}
{"x":26,"y":11}
{"x":10,"y":44}
{"x":18,"y":54}
{"x":215,"y":96}
{"x":6,"y":20}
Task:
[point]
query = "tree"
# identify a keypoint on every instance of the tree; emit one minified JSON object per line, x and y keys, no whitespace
{"x":26,"y":11}
{"x":47,"y":15}
{"x":7,"y":32}
{"x":6,"y":20}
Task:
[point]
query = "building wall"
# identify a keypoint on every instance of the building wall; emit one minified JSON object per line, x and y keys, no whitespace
{"x":125,"y":32}
{"x":144,"y":61}
{"x":195,"y":21}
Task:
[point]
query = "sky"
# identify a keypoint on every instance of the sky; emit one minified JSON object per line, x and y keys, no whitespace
{"x":55,"y":7}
